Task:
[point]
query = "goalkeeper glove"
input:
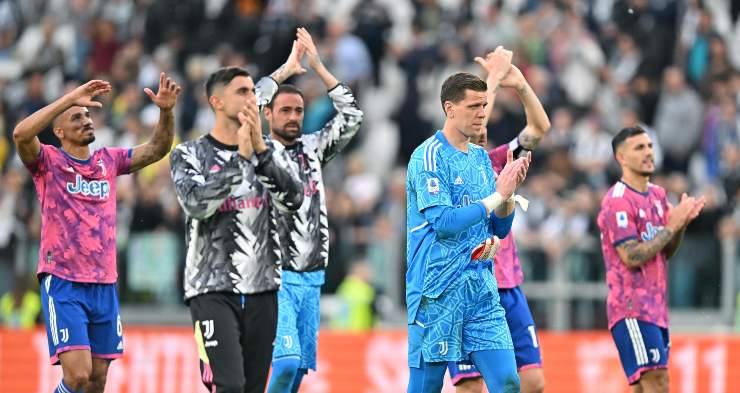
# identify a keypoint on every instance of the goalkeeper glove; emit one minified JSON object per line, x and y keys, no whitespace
{"x":487,"y":249}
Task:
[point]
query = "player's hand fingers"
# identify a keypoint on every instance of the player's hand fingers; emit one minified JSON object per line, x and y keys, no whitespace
{"x":149,"y":93}
{"x":509,"y":156}
{"x":242,"y":117}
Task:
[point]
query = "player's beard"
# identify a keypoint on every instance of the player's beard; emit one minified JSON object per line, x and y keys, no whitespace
{"x":288,"y":136}
{"x":87,"y":139}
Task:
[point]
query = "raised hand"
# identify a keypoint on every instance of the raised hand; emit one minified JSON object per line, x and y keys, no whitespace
{"x":496,"y":63}
{"x":698,"y":206}
{"x":167,"y":93}
{"x":678,"y":216}
{"x":83,"y":95}
{"x":293,"y":64}
{"x":306,"y":42}
{"x":514,"y":79}
{"x":513,"y":174}
{"x":244,"y":133}
{"x":258,"y":139}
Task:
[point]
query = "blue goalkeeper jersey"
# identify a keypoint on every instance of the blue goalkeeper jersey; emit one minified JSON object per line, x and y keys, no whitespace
{"x":440,"y":175}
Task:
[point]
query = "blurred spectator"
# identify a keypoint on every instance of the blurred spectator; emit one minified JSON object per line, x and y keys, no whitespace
{"x":677,"y":121}
{"x":21,"y":307}
{"x":591,"y":151}
{"x":356,"y":296}
{"x":372,"y":25}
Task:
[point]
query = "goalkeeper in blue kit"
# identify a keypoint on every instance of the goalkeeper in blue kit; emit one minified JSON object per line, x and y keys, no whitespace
{"x":457,"y":210}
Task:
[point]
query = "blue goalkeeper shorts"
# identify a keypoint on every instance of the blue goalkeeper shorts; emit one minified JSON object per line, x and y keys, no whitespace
{"x":467,"y":317}
{"x":298,"y":323}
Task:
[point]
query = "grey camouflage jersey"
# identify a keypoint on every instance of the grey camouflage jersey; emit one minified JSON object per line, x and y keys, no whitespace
{"x":231,"y":205}
{"x":304,"y":235}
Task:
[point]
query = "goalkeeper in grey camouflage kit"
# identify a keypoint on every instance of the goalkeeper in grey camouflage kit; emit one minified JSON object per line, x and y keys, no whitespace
{"x":232,"y":183}
{"x":304,"y":235}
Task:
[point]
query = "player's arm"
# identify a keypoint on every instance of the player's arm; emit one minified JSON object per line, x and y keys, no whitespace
{"x":537,"y":121}
{"x":279,"y":174}
{"x":25,"y":134}
{"x":497,"y":64}
{"x":448,"y":221}
{"x":337,"y":132}
{"x":634,"y":254}
{"x":201,"y":191}
{"x":164,"y":132}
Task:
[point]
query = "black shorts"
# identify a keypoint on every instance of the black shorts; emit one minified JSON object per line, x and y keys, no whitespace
{"x":234,"y":334}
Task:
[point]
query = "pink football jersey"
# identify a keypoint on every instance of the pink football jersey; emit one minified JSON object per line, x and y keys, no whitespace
{"x":508,"y":270}
{"x":78,"y":212}
{"x":634,"y":293}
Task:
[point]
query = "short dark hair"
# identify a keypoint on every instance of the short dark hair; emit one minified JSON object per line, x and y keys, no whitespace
{"x":223,"y":76}
{"x":286,"y":89}
{"x":622,"y":136}
{"x":454,"y":87}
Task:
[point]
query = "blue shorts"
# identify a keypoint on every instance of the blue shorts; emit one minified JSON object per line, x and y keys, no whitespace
{"x":642,"y":347}
{"x":465,"y":318}
{"x":298,"y":323}
{"x":81,"y":316}
{"x":523,"y":334}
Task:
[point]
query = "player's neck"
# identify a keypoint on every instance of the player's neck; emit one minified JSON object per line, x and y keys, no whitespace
{"x":225,"y":131}
{"x":78,"y":152}
{"x":635,"y":180}
{"x":455,"y":137}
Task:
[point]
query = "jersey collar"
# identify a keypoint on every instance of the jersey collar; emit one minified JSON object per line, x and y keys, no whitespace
{"x":646,"y":193}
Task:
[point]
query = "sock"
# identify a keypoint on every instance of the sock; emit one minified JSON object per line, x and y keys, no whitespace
{"x":498,"y":369}
{"x":63,"y":388}
{"x":284,"y":372}
{"x":298,"y":378}
{"x":428,"y":378}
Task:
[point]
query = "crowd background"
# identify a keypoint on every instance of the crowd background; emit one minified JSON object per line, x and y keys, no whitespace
{"x":597,"y":66}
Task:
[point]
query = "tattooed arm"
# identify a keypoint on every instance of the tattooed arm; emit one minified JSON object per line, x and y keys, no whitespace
{"x":537,"y":121}
{"x":672,"y":246}
{"x":634,"y":254}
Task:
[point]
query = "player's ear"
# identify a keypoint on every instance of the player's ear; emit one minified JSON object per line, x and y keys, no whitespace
{"x":448,"y":107}
{"x":619,"y":155}
{"x":215,"y":102}
{"x":58,"y":132}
